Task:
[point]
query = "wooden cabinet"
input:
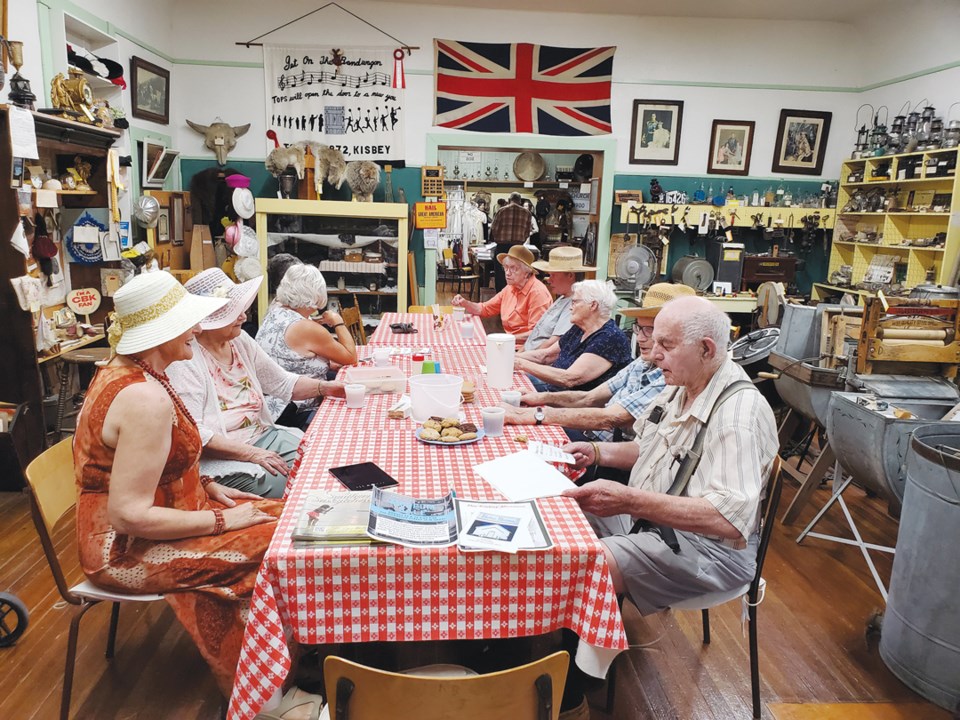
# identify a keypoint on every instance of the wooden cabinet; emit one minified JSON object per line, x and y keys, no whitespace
{"x":59,"y":141}
{"x":898,"y":206}
{"x":321,"y":231}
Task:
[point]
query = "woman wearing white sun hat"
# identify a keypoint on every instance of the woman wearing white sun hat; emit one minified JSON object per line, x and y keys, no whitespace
{"x":225,"y":386}
{"x":147,"y":522}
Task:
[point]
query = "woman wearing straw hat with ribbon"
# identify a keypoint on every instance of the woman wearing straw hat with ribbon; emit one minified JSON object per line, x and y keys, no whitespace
{"x":147,"y":522}
{"x":521,"y":303}
{"x":564,"y":268}
{"x":224,"y":385}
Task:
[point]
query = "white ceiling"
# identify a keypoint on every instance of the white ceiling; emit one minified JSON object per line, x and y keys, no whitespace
{"x":843,"y":11}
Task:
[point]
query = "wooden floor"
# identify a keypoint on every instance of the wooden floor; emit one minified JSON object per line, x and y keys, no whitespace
{"x":812,"y":641}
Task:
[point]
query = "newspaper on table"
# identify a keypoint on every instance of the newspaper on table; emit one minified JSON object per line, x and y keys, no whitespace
{"x":470,"y":524}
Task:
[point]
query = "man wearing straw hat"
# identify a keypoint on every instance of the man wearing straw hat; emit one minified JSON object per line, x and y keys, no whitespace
{"x":565,"y":267}
{"x":616,"y":404}
{"x":521,"y":303}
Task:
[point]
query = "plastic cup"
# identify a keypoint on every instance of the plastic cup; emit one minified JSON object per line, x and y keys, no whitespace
{"x":511,"y":397}
{"x":459,"y":314}
{"x":381,"y":357}
{"x":355,"y":395}
{"x":493,"y":420}
{"x":466,"y":329}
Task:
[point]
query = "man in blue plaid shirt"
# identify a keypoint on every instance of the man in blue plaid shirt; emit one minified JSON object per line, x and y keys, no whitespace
{"x":614,"y":405}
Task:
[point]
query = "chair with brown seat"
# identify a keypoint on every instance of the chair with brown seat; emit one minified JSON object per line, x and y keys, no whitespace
{"x":354,"y":322}
{"x":751,"y":595}
{"x":85,"y":357}
{"x":52,"y":490}
{"x":528,"y":692}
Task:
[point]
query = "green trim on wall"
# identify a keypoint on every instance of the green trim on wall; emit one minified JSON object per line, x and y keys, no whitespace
{"x":111,"y":29}
{"x":137,"y":135}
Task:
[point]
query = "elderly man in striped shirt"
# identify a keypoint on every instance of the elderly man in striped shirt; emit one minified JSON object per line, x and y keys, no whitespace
{"x":717,"y":517}
{"x":705,"y":539}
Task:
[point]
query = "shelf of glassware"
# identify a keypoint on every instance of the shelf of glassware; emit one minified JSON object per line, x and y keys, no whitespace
{"x":387,"y":212}
{"x":914,"y":220}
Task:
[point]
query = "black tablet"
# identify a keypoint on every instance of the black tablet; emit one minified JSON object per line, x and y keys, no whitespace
{"x":362,"y":476}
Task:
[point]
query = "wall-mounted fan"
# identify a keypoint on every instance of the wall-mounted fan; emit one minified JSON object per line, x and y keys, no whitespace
{"x":636,"y":267}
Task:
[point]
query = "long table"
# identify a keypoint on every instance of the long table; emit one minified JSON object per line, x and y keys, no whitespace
{"x":427,"y":335}
{"x":322,"y":595}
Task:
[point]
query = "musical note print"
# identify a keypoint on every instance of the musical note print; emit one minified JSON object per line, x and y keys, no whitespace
{"x":324,"y":77}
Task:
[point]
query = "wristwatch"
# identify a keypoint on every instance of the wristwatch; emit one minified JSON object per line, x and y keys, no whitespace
{"x":538,"y":415}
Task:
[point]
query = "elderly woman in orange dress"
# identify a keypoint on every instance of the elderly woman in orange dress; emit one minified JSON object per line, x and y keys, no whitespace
{"x":147,"y":522}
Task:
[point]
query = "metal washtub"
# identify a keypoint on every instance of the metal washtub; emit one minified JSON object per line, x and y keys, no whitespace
{"x":871,"y":444}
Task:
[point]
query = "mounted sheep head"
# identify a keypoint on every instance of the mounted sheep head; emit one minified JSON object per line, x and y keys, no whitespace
{"x":220,"y":137}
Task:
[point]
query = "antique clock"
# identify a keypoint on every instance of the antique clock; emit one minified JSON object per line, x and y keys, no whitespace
{"x":73,"y":95}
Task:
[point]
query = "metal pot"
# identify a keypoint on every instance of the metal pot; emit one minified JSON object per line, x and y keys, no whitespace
{"x":930,"y":291}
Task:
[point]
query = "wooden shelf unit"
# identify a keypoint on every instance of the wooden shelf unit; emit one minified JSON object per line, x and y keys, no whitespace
{"x":386,"y":213}
{"x":909,"y":173}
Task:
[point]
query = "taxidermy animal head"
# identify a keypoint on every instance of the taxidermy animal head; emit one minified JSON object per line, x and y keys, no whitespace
{"x":220,"y":137}
{"x":363,"y":177}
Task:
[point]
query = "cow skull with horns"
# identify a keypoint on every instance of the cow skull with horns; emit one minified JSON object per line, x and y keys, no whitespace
{"x":220,"y":137}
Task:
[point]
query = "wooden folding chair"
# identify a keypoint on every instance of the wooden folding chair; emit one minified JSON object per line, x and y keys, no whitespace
{"x":53,"y":495}
{"x":354,"y":322}
{"x":528,"y":692}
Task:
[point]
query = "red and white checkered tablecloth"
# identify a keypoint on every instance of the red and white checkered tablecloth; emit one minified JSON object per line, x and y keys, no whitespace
{"x":427,"y":335}
{"x":321,"y":595}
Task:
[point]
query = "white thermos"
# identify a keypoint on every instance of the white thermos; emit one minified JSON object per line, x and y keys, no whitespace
{"x":500,"y":350}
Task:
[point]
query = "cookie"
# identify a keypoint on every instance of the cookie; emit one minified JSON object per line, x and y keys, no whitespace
{"x":429,"y":434}
{"x":450,"y":438}
{"x":468,"y":436}
{"x":468,"y":427}
{"x":450,"y":422}
{"x":455,"y":432}
{"x":433,"y":425}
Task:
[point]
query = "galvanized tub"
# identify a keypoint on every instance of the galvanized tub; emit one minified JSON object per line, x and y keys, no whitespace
{"x":920,"y":642}
{"x":871,"y":444}
{"x":804,"y":386}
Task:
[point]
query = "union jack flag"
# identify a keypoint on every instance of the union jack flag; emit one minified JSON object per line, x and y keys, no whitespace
{"x":520,"y":87}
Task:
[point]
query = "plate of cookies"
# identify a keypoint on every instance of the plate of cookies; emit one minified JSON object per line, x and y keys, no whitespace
{"x":448,"y":431}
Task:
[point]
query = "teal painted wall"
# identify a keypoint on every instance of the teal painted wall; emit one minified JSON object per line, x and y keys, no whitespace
{"x":263,"y":184}
{"x":815,"y":262}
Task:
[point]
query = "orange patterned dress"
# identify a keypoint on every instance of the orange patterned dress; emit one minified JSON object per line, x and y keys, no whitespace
{"x":208,"y":580}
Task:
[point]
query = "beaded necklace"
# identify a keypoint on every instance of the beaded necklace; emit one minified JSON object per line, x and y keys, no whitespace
{"x":165,"y":382}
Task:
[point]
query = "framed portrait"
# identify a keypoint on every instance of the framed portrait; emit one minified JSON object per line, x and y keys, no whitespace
{"x":801,"y":142}
{"x":655,"y":133}
{"x":149,"y":91}
{"x":731,"y":143}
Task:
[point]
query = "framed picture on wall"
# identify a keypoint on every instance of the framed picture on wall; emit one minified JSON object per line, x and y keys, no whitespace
{"x":801,"y":142}
{"x":655,"y":133}
{"x":149,"y":91}
{"x":731,"y":143}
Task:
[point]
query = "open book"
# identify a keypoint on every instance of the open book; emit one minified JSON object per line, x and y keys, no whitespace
{"x":471,"y":525}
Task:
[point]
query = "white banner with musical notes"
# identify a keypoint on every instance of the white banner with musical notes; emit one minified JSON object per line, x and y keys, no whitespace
{"x":340,"y":97}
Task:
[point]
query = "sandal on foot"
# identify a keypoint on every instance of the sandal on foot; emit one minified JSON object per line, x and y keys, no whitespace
{"x":290,"y":701}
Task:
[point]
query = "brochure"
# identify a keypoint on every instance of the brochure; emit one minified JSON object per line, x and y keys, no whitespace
{"x":334,"y":517}
{"x":413,"y":522}
{"x":472,"y":525}
{"x":503,"y":526}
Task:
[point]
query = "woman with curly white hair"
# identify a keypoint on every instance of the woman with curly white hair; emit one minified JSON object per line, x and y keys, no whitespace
{"x":296,"y":342}
{"x":589,"y":353}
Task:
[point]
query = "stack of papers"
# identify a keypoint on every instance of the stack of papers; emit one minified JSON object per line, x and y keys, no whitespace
{"x":524,"y":475}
